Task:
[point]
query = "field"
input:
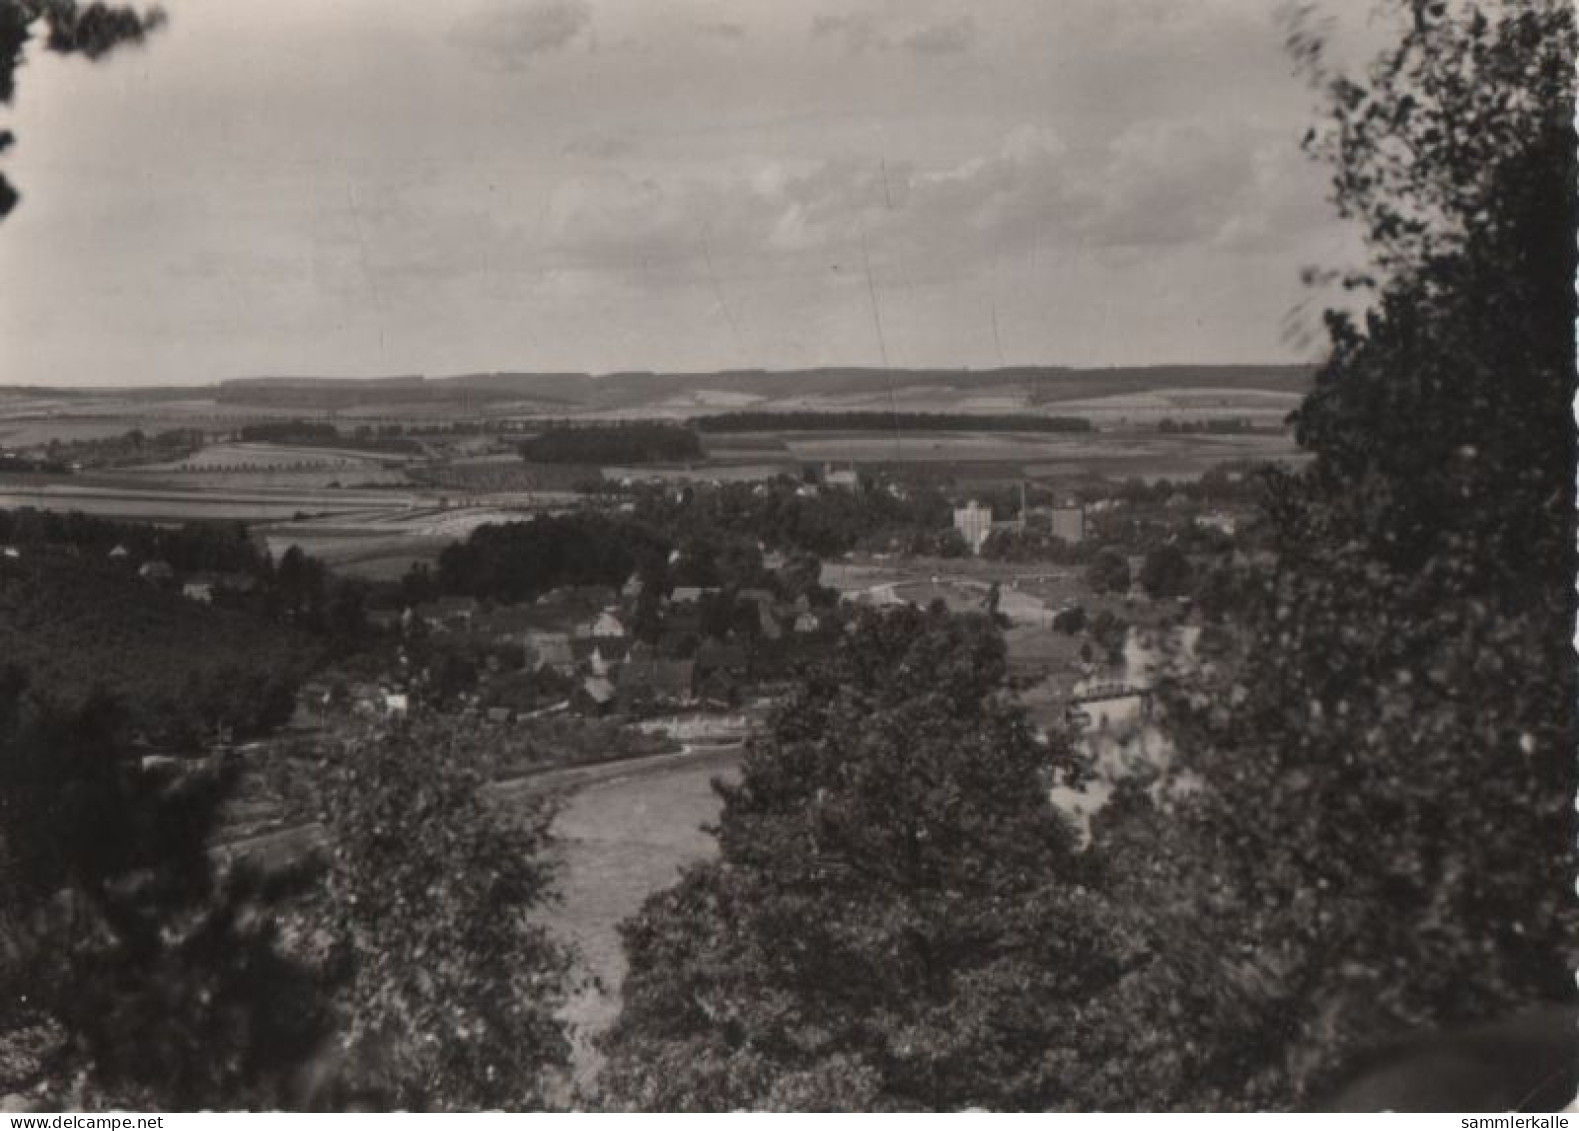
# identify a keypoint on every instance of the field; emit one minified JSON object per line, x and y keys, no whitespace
{"x":621,"y":840}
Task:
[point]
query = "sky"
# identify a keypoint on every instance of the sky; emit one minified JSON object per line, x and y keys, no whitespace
{"x":364,"y":187}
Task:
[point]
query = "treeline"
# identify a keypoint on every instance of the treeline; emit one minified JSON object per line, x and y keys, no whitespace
{"x":891,"y":421}
{"x":638,"y":442}
{"x":289,"y":432}
{"x":130,"y":448}
{"x":1214,"y":425}
{"x":520,"y":561}
{"x":296,"y":588}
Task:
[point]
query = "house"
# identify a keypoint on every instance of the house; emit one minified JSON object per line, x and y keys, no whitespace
{"x":593,"y":696}
{"x":396,"y":703}
{"x":1218,"y":521}
{"x":550,"y":650}
{"x":599,"y":654}
{"x":514,"y":623}
{"x":605,"y":624}
{"x":497,"y":714}
{"x":768,"y":622}
{"x":588,"y":598}
{"x":690,"y":594}
{"x":199,"y":588}
{"x":632,"y":589}
{"x":119,"y":554}
{"x":156,"y":572}
{"x":755,"y":596}
{"x":648,"y":682}
{"x":10,"y":552}
{"x":807,"y":622}
{"x":846,"y":479}
{"x":448,"y":613}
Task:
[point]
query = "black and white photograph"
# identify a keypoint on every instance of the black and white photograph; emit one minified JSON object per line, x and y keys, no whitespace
{"x":770,"y":556}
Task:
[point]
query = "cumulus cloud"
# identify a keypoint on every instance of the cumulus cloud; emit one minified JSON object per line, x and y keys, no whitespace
{"x":944,"y":38}
{"x":1154,"y":186}
{"x":510,"y":35}
{"x":859,"y":32}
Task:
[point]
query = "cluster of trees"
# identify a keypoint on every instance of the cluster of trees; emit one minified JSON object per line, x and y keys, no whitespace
{"x":297,"y":589}
{"x":134,"y":973}
{"x":400,"y":969}
{"x":1213,"y":425}
{"x":128,"y":449}
{"x":289,"y":432}
{"x":896,"y":920}
{"x":47,"y":465}
{"x":629,"y":443}
{"x":780,"y":516}
{"x":1392,"y":756}
{"x":180,"y":668}
{"x":867,"y":421}
{"x":1378,"y":828}
{"x":1033,"y":544}
{"x":520,"y":561}
{"x":324,"y":433}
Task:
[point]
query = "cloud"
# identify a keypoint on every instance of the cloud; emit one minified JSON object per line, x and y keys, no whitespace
{"x":510,"y":35}
{"x":723,"y":29}
{"x":857,"y":32}
{"x":944,"y":38}
{"x":863,"y":32}
{"x":1154,"y":187}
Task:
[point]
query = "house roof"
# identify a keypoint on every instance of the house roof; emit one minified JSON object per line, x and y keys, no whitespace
{"x":658,"y":676}
{"x":609,"y":647}
{"x":690,"y":593}
{"x":598,"y":689}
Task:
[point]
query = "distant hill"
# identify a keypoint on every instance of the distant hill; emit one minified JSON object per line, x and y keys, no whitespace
{"x":636,"y":393}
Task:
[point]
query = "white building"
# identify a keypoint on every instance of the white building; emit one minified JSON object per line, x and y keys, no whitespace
{"x":974,"y":522}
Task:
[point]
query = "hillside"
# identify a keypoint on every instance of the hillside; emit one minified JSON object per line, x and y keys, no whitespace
{"x":667,"y":394}
{"x":178,"y":667}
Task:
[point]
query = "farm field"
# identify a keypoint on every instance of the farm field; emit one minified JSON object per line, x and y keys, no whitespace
{"x":168,"y":505}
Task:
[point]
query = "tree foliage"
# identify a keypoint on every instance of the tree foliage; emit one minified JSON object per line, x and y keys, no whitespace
{"x":133,"y":970}
{"x":898,"y":919}
{"x":453,"y":988}
{"x":1389,"y":764}
{"x":91,"y":30}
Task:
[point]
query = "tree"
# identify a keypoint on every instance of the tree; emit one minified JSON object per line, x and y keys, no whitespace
{"x":1166,"y":572}
{"x":92,"y":30}
{"x":453,"y":990}
{"x":135,"y":971}
{"x":1388,"y":767}
{"x":898,"y":918}
{"x":1109,"y":573}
